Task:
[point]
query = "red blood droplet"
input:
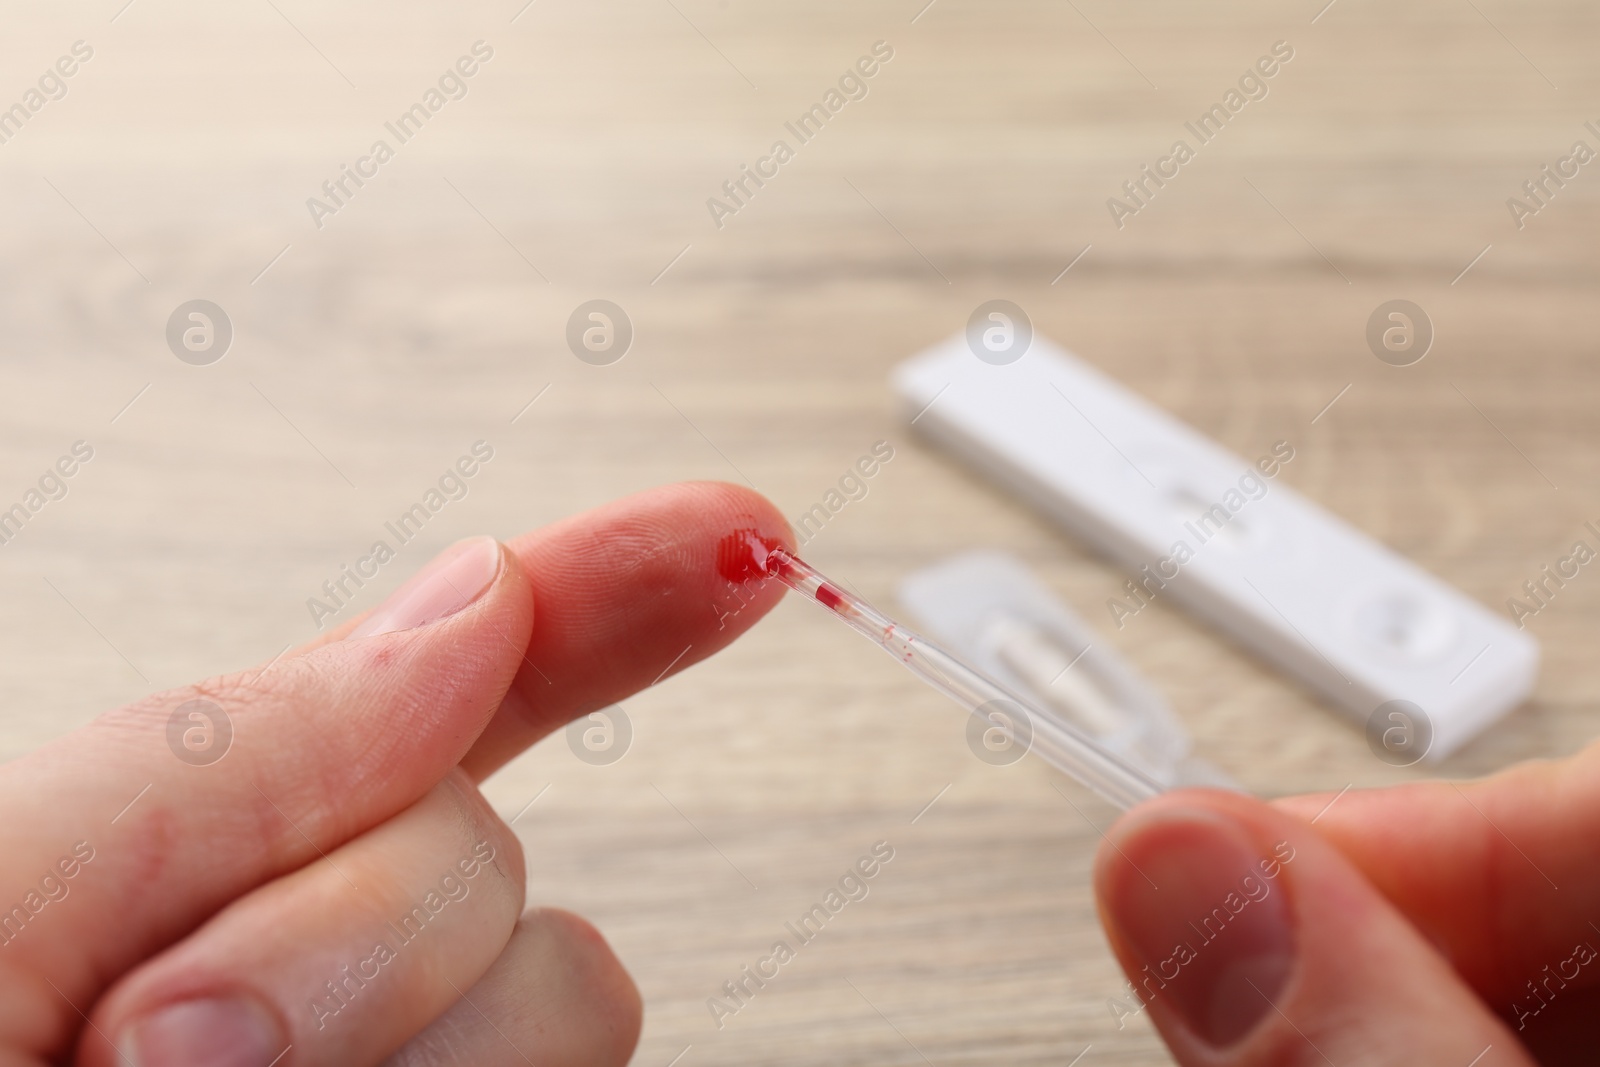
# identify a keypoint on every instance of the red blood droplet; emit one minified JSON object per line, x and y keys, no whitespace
{"x":745,"y":555}
{"x":829,"y":597}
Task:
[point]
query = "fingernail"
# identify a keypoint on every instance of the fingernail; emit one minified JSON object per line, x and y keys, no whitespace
{"x":204,"y":1033}
{"x":451,"y":580}
{"x":1190,"y":896}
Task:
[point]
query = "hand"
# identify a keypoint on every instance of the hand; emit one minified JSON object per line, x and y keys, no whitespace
{"x":335,"y":890}
{"x":1429,"y":924}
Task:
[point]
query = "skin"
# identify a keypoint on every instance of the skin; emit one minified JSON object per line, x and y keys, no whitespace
{"x":1420,"y":914}
{"x":348,"y":792}
{"x":1415,"y":916}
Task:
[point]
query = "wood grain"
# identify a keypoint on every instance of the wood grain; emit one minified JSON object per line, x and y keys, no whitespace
{"x":431,"y":308}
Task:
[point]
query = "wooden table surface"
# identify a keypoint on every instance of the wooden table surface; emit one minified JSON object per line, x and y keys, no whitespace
{"x":424,"y":314}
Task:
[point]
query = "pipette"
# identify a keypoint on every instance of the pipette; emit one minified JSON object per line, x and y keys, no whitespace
{"x":1062,"y":745}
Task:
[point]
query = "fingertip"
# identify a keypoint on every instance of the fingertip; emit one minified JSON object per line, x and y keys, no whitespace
{"x":1250,"y":938}
{"x":743,"y":504}
{"x":629,"y":594}
{"x":557,"y":996}
{"x":589,"y":985}
{"x":1180,"y":818}
{"x":604,"y":978}
{"x":1187,"y":888}
{"x":1158,"y":815}
{"x":629,"y":554}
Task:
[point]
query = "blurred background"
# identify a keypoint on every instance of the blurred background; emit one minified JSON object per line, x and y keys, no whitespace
{"x":375,"y":340}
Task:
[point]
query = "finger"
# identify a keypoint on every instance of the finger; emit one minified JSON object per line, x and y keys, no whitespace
{"x":556,"y":997}
{"x":322,"y":749}
{"x":628,"y":594}
{"x":1252,"y":942}
{"x":1501,"y":873}
{"x":341,"y":961}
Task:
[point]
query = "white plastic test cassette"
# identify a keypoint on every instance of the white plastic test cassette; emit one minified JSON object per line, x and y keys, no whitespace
{"x":1196,"y":525}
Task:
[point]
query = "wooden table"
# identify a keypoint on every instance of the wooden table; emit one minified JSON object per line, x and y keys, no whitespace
{"x":431,"y":308}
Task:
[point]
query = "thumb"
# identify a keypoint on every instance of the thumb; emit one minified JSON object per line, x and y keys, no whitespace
{"x":1255,"y":943}
{"x":295,"y":762}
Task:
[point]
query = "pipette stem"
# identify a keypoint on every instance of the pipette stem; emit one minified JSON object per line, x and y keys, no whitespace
{"x":1061,"y":744}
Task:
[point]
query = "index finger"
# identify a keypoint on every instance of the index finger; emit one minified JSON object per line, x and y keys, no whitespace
{"x":1501,"y":874}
